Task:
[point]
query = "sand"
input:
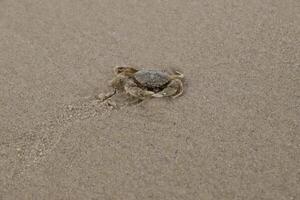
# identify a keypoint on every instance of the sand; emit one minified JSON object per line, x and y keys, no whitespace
{"x":234,"y":134}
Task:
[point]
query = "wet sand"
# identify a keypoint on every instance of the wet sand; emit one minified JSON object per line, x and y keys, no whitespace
{"x":234,"y":134}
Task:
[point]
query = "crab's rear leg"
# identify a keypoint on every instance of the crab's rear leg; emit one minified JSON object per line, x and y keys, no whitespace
{"x":135,"y":91}
{"x":174,"y":89}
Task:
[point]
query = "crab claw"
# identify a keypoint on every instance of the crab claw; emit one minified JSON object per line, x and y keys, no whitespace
{"x":125,"y":70}
{"x":132,"y":88}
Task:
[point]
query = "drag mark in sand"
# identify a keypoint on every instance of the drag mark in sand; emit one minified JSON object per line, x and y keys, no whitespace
{"x":38,"y":142}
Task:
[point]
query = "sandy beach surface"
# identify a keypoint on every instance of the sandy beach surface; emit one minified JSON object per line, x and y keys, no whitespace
{"x":234,"y":134}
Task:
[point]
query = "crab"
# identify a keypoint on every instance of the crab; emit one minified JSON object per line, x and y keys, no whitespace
{"x":147,"y":83}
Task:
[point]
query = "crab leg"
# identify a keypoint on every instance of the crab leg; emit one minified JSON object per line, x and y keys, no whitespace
{"x":103,"y":97}
{"x":174,"y":89}
{"x":177,"y":75}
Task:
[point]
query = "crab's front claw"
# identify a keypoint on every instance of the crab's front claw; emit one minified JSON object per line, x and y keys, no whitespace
{"x":173,"y":89}
{"x":118,"y":82}
{"x":125,"y":70}
{"x":132,"y":89}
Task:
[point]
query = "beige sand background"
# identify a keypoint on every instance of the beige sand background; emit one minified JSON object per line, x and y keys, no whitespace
{"x":234,"y":134}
